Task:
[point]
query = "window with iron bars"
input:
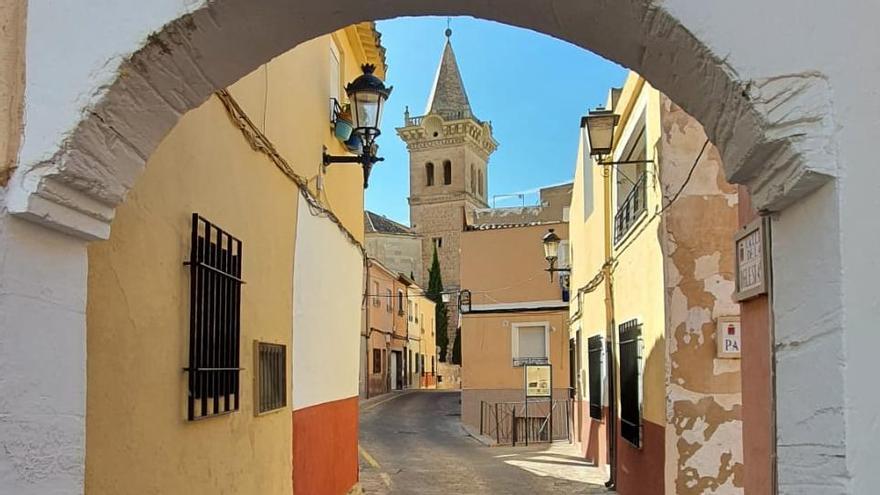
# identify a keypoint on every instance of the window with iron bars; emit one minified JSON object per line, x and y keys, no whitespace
{"x":271,"y":377}
{"x":631,"y":392}
{"x":215,"y":320}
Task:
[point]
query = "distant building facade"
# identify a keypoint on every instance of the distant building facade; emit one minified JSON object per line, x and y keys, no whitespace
{"x":421,"y":340}
{"x":516,"y":315}
{"x":395,"y":245}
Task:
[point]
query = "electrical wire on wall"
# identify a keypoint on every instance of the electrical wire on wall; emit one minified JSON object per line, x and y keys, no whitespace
{"x":259,"y":142}
{"x":597,"y":279}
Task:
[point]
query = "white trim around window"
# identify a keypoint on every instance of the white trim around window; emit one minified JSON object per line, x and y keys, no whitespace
{"x":514,"y":337}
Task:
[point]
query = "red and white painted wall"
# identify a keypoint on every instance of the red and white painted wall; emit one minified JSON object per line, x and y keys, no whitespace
{"x":326,"y":327}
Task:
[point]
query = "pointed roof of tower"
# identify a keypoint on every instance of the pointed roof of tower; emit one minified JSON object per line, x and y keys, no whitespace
{"x":448,"y":96}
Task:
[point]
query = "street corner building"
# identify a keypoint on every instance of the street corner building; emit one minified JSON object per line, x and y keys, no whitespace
{"x":514,"y":315}
{"x":224,"y":309}
{"x":659,"y":400}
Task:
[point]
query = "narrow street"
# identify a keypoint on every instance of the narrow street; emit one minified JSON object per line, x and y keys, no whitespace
{"x":414,"y":444}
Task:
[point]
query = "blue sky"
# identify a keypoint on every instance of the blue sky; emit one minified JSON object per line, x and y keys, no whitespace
{"x":532,"y":87}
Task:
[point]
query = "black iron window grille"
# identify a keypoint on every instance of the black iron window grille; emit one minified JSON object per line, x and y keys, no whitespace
{"x":215,"y":321}
{"x":594,"y":369}
{"x":631,"y":382}
{"x":631,"y":209}
{"x":271,"y":376}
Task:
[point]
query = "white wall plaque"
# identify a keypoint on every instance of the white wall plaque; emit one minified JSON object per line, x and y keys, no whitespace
{"x":728,"y":336}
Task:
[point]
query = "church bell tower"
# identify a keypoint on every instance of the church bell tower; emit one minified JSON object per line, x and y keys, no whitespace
{"x":449,"y":149}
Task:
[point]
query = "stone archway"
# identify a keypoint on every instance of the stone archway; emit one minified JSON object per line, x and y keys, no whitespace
{"x":97,"y":108}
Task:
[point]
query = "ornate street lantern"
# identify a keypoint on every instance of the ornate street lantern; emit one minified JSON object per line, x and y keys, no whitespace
{"x":551,"y":252}
{"x":600,"y":124}
{"x":367,"y":94}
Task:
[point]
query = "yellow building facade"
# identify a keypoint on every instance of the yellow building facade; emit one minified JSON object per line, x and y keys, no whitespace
{"x":421,"y":339}
{"x":651,"y":278}
{"x":243,"y":161}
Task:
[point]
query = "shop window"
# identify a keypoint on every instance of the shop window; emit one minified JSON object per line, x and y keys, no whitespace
{"x":271,"y":375}
{"x":215,"y":320}
{"x":631,"y":392}
{"x":594,"y":370}
{"x":530,"y":343}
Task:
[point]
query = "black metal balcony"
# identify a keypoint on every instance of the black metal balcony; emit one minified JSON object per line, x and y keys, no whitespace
{"x":630,"y":210}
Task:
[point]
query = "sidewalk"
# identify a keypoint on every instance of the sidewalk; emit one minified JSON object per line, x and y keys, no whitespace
{"x":367,"y":404}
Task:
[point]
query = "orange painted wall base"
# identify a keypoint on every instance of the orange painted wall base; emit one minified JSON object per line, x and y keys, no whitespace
{"x":642,"y":471}
{"x":325,"y":455}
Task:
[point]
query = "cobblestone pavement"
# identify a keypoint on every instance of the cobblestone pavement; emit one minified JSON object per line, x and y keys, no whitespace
{"x":414,"y":444}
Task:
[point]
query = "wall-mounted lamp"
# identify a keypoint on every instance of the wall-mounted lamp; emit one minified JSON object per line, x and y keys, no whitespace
{"x":551,"y":252}
{"x":367,"y":94}
{"x":600,"y":124}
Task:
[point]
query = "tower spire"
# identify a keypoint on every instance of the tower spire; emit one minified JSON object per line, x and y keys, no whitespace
{"x":448,"y":96}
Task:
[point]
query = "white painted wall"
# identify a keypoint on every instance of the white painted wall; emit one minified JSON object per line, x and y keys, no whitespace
{"x":42,"y":359}
{"x":327,"y":284}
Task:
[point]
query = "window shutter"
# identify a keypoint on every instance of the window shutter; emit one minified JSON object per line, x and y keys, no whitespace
{"x":630,"y":342}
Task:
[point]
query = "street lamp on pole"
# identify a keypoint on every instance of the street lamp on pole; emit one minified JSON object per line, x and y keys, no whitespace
{"x":551,"y":243}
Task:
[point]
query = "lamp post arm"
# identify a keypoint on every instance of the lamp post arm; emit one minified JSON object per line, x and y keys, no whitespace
{"x":623,"y":162}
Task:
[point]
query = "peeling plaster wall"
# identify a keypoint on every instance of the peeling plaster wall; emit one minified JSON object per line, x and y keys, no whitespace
{"x":704,"y":404}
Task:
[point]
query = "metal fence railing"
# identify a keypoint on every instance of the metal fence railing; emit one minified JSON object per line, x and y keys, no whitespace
{"x":509,"y":423}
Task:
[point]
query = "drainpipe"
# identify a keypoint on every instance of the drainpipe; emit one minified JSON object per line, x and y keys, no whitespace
{"x":367,"y":302}
{"x":610,"y":334}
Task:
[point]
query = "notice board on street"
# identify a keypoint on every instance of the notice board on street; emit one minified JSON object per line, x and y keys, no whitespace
{"x":539,"y":380}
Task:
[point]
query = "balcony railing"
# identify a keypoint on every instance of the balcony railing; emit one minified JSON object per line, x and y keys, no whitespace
{"x":447,"y":115}
{"x":630,"y":210}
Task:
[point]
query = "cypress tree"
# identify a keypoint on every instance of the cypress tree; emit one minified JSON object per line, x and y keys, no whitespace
{"x":435,"y":293}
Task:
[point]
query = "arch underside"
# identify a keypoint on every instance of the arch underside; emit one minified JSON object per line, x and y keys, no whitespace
{"x":772,"y":132}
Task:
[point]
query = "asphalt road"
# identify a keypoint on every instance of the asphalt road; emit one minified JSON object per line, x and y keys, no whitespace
{"x":414,"y":444}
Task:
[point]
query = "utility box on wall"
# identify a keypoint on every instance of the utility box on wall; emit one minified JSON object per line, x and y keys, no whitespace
{"x":728,"y":337}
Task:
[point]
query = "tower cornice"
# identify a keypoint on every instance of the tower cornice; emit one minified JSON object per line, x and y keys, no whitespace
{"x":433,"y":132}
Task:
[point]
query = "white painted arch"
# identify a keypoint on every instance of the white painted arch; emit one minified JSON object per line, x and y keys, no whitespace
{"x":773,"y":83}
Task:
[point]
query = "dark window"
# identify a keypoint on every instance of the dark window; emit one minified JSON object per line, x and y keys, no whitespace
{"x":447,"y":172}
{"x":400,"y":302}
{"x":473,"y":178}
{"x":214,"y":320}
{"x":384,"y":359}
{"x":377,"y":361}
{"x":429,"y":174}
{"x":432,"y":364}
{"x":423,"y":363}
{"x":271,"y":376}
{"x":631,"y":382}
{"x":594,"y":369}
{"x":480,"y":182}
{"x":438,"y":242}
